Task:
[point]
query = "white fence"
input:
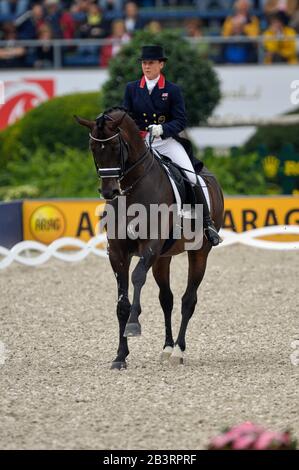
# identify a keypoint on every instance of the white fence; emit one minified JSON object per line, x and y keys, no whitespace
{"x":26,"y":252}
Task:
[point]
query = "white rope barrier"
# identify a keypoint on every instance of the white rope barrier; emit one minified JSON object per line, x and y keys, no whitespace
{"x":52,"y":250}
{"x":249,"y":237}
{"x":85,"y":248}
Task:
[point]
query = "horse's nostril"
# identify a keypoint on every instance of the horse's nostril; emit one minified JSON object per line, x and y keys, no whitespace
{"x":110,"y":194}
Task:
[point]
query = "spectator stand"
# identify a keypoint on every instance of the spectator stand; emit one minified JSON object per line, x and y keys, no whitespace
{"x":83,"y":47}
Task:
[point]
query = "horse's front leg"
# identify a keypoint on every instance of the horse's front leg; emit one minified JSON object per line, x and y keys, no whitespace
{"x":121,"y":271}
{"x":133,"y":327}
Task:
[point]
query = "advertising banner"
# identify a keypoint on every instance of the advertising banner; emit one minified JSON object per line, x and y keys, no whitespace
{"x":24,"y":90}
{"x":22,"y":95}
{"x":247,"y":213}
{"x":47,"y":220}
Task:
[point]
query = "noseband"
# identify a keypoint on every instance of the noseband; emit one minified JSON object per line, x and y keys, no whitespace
{"x":118,"y":172}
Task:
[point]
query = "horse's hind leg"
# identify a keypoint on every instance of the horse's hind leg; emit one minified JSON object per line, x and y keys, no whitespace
{"x":121,"y":271}
{"x":197,"y":267}
{"x":161,"y":275}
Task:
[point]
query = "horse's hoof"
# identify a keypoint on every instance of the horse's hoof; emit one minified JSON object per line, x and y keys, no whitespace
{"x":166,"y":353}
{"x":177,"y":356}
{"x":118,"y":365}
{"x":132,"y":329}
{"x":176,"y":360}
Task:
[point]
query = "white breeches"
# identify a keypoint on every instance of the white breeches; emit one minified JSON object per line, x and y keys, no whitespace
{"x":176,"y":152}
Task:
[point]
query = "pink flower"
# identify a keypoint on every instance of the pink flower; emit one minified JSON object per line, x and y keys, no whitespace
{"x":271,"y":439}
{"x":251,"y":436}
{"x":247,"y":426}
{"x":244,"y":442}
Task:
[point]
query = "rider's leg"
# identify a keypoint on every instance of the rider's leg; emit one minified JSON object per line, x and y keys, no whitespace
{"x":209,"y":228}
{"x":176,"y":152}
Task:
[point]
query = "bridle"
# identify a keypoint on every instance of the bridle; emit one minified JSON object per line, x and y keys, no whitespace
{"x":110,"y":172}
{"x":118,"y":172}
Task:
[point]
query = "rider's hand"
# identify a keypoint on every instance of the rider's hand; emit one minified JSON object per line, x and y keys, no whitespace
{"x":156,"y":129}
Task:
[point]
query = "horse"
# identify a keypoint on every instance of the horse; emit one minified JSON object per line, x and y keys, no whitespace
{"x":127,"y":167}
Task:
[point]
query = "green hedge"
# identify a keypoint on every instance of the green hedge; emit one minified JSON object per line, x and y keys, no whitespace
{"x":66,"y":172}
{"x":70,"y":173}
{"x":238,"y":173}
{"x":274,"y":138}
{"x":50,"y":124}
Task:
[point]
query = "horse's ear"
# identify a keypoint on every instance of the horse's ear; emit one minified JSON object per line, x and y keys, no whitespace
{"x":85,"y":122}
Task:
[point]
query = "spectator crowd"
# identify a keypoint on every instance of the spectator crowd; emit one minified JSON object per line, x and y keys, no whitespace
{"x":116,"y":21}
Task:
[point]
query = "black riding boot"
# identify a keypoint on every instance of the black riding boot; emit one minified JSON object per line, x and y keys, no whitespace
{"x":208,"y":225}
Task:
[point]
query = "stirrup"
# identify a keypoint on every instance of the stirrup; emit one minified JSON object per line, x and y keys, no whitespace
{"x":212,"y":235}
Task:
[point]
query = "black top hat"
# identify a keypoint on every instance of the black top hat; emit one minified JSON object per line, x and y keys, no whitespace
{"x":152,"y":53}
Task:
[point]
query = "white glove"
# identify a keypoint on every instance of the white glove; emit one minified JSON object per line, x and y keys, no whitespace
{"x":156,"y":129}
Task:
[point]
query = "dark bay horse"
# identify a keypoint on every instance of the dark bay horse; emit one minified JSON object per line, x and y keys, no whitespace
{"x":127,"y":167}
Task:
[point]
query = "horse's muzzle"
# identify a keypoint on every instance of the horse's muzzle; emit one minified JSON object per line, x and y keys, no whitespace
{"x":111,"y":194}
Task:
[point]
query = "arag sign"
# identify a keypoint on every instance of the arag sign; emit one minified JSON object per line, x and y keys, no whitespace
{"x":247,"y":213}
{"x":48,"y":220}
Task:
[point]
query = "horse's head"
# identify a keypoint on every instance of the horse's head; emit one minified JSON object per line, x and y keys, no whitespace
{"x":110,"y":146}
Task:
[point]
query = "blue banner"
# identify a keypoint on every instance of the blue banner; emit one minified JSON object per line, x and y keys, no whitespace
{"x":11,"y":225}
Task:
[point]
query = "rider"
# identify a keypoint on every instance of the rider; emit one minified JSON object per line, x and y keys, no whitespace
{"x":158,"y":104}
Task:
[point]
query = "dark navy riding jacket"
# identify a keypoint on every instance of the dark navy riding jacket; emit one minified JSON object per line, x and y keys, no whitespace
{"x":165,"y":106}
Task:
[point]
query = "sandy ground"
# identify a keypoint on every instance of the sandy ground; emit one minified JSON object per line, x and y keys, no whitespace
{"x":59,"y":327}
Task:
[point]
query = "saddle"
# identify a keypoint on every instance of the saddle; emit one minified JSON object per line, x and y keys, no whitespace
{"x":184,"y":187}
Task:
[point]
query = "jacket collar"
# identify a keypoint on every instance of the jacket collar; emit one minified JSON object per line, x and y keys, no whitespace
{"x":161,"y":82}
